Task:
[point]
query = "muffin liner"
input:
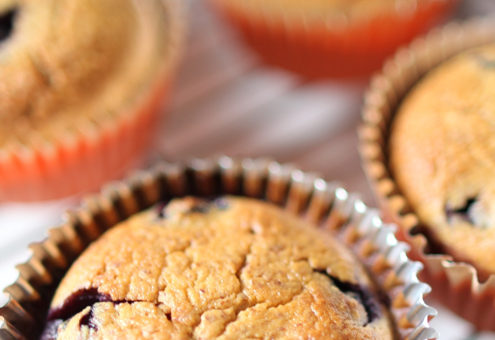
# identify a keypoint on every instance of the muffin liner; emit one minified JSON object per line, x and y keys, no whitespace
{"x":83,"y":159}
{"x":455,"y":284}
{"x":330,"y":44}
{"x":321,"y":203}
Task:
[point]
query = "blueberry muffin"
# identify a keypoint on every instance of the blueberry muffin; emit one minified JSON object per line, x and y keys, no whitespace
{"x":80,"y":81}
{"x":229,"y":269}
{"x":442,"y":149}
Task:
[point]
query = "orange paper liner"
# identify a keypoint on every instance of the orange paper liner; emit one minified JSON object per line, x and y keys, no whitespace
{"x":322,"y":203}
{"x":331,"y":45}
{"x":82,"y":161}
{"x":456,"y":284}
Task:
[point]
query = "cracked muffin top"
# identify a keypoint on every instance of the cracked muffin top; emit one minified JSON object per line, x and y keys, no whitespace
{"x":442,"y":149}
{"x":66,"y":63}
{"x":234,"y":268}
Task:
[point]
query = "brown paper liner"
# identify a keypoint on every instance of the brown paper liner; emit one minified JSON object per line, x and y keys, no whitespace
{"x":455,"y":284}
{"x":83,"y":160}
{"x":324,"y":204}
{"x":331,"y":45}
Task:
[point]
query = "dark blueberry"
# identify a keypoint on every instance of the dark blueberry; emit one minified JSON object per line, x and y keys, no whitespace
{"x":362,"y":294}
{"x":222,"y":203}
{"x":7,"y":23}
{"x":161,"y":210}
{"x":462,"y":213}
{"x":77,"y":302}
{"x":87,"y":320}
{"x":191,"y":205}
{"x":51,"y":330}
{"x":200,"y":207}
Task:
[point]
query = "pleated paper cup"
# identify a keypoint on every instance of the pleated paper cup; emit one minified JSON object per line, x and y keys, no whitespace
{"x":330,"y":44}
{"x":455,"y":284}
{"x":323,"y":204}
{"x":83,"y":158}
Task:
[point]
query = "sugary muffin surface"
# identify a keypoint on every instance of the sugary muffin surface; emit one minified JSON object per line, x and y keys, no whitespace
{"x":232,"y":269}
{"x":66,"y":63}
{"x":442,"y":151}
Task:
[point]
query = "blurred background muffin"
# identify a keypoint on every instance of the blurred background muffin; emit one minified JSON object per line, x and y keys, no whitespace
{"x":441,"y":155}
{"x":80,"y":87}
{"x":427,"y":146}
{"x":331,"y":38}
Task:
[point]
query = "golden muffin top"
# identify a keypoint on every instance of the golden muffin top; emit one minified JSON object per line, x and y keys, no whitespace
{"x":442,"y":149}
{"x":230,"y":269}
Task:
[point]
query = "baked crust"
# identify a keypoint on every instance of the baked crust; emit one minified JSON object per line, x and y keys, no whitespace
{"x":236,"y":268}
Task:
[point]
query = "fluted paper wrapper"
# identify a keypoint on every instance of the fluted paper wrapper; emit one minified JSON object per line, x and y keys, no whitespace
{"x":330,"y":44}
{"x":322,"y":203}
{"x":83,"y":159}
{"x":455,"y":284}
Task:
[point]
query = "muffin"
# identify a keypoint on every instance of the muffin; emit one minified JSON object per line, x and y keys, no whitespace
{"x":80,"y":86}
{"x":441,"y":154}
{"x":229,"y":269}
{"x":331,"y":38}
{"x":210,"y":267}
{"x":427,"y":144}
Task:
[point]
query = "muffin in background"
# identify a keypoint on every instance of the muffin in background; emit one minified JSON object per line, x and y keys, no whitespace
{"x":442,"y":149}
{"x":235,"y":268}
{"x":81,"y":84}
{"x":331,"y":38}
{"x":427,"y":149}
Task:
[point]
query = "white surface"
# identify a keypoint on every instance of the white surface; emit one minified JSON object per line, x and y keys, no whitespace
{"x":226,"y":101}
{"x":21,"y":224}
